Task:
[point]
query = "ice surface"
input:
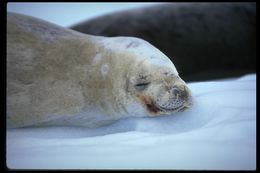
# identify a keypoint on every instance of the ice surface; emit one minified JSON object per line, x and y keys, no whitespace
{"x":217,"y":133}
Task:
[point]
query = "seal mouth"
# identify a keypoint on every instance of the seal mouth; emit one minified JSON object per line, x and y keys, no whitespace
{"x":181,"y":107}
{"x":154,"y":108}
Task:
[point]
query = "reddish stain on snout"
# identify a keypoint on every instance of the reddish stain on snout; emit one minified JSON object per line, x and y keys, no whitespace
{"x":148,"y":103}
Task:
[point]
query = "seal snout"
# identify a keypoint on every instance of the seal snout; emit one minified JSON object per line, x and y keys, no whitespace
{"x":177,"y":98}
{"x":182,"y":93}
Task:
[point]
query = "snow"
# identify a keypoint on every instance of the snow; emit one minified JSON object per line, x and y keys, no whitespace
{"x":68,"y":14}
{"x":217,"y":133}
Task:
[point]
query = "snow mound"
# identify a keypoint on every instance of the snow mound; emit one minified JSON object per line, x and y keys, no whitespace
{"x":218,"y":133}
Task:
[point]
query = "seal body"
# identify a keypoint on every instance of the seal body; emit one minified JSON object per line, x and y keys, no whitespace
{"x":56,"y":76}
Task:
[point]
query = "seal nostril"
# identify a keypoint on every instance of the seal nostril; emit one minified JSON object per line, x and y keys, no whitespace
{"x":181,"y":93}
{"x":184,"y":95}
{"x":175,"y":91}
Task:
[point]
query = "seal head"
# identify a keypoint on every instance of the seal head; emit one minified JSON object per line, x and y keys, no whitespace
{"x":160,"y":89}
{"x":152,"y":78}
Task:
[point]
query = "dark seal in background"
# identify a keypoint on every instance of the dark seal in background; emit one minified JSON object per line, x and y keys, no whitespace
{"x":204,"y":40}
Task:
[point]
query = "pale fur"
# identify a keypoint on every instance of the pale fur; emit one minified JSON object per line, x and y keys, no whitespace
{"x":56,"y":76}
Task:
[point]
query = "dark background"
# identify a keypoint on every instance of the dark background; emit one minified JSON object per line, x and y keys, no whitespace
{"x":205,"y":41}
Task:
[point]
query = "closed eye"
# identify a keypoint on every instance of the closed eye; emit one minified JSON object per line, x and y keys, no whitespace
{"x":141,"y":86}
